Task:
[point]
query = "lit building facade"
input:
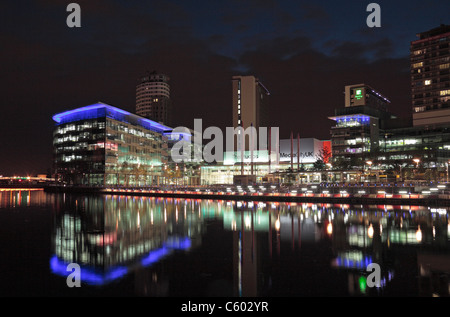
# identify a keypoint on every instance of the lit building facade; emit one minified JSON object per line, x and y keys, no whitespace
{"x":301,"y":164}
{"x":153,"y":98}
{"x":430,"y":77}
{"x":367,"y":137}
{"x":430,"y":146}
{"x":359,"y":124}
{"x":364,"y":95}
{"x":103,"y":145}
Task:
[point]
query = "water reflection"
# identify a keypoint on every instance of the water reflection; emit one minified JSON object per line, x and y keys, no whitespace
{"x":11,"y":197}
{"x":273,"y":249}
{"x":112,"y":236}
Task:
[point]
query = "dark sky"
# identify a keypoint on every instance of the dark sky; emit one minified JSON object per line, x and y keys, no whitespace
{"x":304,"y":52}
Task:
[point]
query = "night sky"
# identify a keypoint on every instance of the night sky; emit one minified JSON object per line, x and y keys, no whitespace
{"x":304,"y":52}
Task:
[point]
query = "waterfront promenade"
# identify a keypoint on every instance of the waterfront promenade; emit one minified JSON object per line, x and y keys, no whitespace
{"x":425,"y":194}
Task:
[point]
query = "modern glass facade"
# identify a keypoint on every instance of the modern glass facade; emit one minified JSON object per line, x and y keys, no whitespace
{"x":367,"y":137}
{"x":359,"y":125}
{"x":353,"y":134}
{"x":430,"y":145}
{"x":103,"y":145}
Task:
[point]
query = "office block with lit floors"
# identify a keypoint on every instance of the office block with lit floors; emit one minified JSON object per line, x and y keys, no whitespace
{"x":101,"y":145}
{"x":430,"y":77}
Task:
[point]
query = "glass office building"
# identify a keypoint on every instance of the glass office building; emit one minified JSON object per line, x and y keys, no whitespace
{"x":101,"y":145}
{"x":429,"y":145}
{"x":359,"y":124}
{"x":367,"y":137}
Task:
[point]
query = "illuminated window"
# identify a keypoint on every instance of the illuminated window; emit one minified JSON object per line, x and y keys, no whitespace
{"x":444,"y":92}
{"x":410,"y":141}
{"x":444,"y":66}
{"x":418,"y":65}
{"x":428,"y":82}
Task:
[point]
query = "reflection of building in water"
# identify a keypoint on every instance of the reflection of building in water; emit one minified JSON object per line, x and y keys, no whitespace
{"x":111,"y":236}
{"x":246,"y":260}
{"x":10,"y":197}
{"x":246,"y":255}
{"x":359,"y":235}
{"x":373,"y":235}
{"x":115,"y":235}
{"x":434,"y":274}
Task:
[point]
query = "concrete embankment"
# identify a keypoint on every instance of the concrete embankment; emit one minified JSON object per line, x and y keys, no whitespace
{"x":379,"y":199}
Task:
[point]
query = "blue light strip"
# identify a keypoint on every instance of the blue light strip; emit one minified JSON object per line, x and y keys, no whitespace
{"x":88,"y":275}
{"x":178,"y":243}
{"x":361,"y":264}
{"x":71,"y":115}
{"x":58,"y":117}
{"x":357,"y":117}
{"x":155,"y":256}
{"x":156,"y":125}
{"x":94,"y":277}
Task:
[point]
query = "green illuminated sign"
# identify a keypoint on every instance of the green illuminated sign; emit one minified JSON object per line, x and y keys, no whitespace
{"x":358,"y":94}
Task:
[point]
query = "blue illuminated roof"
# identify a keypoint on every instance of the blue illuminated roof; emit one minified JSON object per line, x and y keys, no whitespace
{"x":357,"y":117}
{"x":100,"y":109}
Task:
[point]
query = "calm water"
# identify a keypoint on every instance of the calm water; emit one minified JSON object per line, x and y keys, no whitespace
{"x":139,"y":246}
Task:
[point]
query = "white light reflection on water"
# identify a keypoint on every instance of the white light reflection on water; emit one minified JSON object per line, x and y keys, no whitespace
{"x":256,"y":249}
